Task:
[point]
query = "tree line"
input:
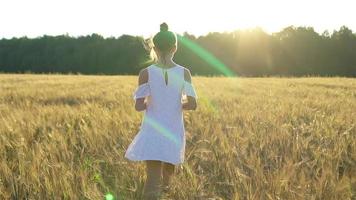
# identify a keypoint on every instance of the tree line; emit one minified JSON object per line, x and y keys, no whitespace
{"x":294,"y":51}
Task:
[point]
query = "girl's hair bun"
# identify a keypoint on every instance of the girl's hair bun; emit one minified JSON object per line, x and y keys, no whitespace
{"x":164,"y":27}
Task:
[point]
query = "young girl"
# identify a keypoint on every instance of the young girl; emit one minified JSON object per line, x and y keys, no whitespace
{"x":161,"y":139}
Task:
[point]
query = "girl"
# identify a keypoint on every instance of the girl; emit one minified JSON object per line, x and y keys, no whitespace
{"x":161,"y":139}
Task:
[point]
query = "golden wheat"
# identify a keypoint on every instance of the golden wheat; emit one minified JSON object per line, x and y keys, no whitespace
{"x":64,"y":137}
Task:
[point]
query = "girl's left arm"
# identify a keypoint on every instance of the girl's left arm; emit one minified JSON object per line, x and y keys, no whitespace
{"x":140,"y":103}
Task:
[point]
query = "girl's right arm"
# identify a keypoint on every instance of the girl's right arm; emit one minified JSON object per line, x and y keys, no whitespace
{"x":140,"y":103}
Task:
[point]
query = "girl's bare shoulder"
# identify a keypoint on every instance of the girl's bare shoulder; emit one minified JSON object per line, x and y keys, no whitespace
{"x":143,"y":76}
{"x":187,"y":74}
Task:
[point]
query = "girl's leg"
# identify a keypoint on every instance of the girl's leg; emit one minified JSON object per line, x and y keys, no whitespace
{"x":152,"y":185}
{"x":167,"y":172}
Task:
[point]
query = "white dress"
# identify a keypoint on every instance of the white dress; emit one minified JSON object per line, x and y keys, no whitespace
{"x":162,"y":134}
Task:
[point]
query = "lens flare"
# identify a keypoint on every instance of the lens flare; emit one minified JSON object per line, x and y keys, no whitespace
{"x":206,"y":56}
{"x":212,"y":62}
{"x":163,"y":130}
{"x":109,"y":197}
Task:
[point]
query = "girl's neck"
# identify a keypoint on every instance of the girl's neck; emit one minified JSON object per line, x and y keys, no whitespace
{"x":169,"y":63}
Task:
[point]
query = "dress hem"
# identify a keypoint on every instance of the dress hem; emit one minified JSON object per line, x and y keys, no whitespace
{"x":158,"y":159}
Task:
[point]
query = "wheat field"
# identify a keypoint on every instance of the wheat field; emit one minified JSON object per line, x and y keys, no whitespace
{"x":64,"y":137}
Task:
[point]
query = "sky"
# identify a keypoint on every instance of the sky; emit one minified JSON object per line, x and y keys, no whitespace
{"x":112,"y":18}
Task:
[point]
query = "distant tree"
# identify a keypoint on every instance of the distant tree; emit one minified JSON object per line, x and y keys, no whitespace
{"x":295,"y":51}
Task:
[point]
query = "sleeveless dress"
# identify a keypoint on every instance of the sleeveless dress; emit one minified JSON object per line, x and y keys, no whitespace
{"x":162,"y":134}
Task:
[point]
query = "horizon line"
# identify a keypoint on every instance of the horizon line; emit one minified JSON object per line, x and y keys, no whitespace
{"x":179,"y":33}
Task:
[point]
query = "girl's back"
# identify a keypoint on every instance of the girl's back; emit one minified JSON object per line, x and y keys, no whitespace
{"x":165,"y":97}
